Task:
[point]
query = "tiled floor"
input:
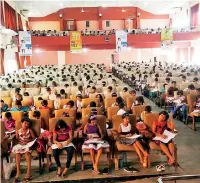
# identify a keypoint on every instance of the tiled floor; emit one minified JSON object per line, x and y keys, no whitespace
{"x":188,"y":143}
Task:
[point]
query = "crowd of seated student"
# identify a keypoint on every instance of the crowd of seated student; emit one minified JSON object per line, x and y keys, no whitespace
{"x":169,"y":92}
{"x":87,"y":32}
{"x":62,"y":135}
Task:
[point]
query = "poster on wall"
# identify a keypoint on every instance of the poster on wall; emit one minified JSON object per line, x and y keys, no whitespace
{"x":76,"y":42}
{"x":25,"y":44}
{"x":166,"y":37}
{"x":121,"y":40}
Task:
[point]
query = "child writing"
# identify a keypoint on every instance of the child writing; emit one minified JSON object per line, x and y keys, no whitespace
{"x":125,"y":130}
{"x":24,"y":136}
{"x":9,"y":122}
{"x":158,"y":128}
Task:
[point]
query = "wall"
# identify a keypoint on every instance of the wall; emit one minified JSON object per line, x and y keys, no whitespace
{"x":104,"y":56}
{"x":44,"y":58}
{"x":45,"y":25}
{"x":81,"y":25}
{"x":108,"y":13}
{"x":153,"y":23}
{"x":114,"y":24}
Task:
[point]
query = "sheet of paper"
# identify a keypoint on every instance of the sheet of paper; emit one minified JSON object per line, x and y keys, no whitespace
{"x":7,"y":132}
{"x":169,"y":135}
{"x":197,"y":111}
{"x":134,"y":136}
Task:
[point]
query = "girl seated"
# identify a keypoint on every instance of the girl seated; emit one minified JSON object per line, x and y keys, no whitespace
{"x":94,"y":131}
{"x":79,"y":102}
{"x":139,"y":101}
{"x":69,"y":105}
{"x":44,"y":105}
{"x":147,"y":110}
{"x":3,"y":107}
{"x":62,"y":139}
{"x":122,"y":109}
{"x":179,"y":103}
{"x":118,"y":101}
{"x":37,"y":115}
{"x":24,"y":136}
{"x":158,"y":128}
{"x":57,"y":102}
{"x":101,"y":100}
{"x":125,"y":130}
{"x":196,"y":107}
{"x":63,"y":94}
{"x":93,"y":93}
{"x":9,"y":122}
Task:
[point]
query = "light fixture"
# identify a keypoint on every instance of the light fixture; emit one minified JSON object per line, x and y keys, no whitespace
{"x":123,"y":10}
{"x":85,"y":50}
{"x":30,"y":13}
{"x":82,"y":10}
{"x":100,"y":14}
{"x":8,"y":31}
{"x":138,"y":15}
{"x":37,"y":50}
{"x":60,"y":15}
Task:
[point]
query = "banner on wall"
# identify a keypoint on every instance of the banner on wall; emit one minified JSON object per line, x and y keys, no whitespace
{"x":166,"y":37}
{"x":121,"y":40}
{"x":25,"y":44}
{"x":76,"y":42}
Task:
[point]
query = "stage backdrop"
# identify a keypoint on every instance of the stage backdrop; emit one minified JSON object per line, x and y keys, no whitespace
{"x":75,"y":42}
{"x":25,"y":43}
{"x":121,"y":40}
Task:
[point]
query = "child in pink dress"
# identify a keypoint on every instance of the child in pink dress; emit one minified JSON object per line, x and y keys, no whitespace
{"x":26,"y":138}
{"x":9,"y":122}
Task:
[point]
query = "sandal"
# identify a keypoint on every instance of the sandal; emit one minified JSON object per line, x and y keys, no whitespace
{"x":96,"y":172}
{"x":145,"y":162}
{"x":16,"y":180}
{"x":27,"y":179}
{"x":64,"y":173}
{"x":58,"y":174}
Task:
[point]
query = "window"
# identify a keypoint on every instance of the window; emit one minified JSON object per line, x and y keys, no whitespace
{"x":87,"y":23}
{"x":107,"y":23}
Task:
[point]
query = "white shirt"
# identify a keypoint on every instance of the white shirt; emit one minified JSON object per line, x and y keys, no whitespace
{"x":125,"y":128}
{"x":79,"y":105}
{"x":121,"y":112}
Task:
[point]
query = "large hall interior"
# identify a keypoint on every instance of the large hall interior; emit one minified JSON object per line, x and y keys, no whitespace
{"x":104,"y":91}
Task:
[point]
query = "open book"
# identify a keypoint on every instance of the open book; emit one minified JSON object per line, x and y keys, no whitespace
{"x":55,"y":146}
{"x":169,"y":135}
{"x":94,"y":141}
{"x":196,"y":111}
{"x":135,"y":136}
{"x":23,"y":147}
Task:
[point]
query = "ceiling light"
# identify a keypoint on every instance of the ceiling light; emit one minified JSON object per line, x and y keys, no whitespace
{"x":30,"y":13}
{"x":8,"y":31}
{"x":37,"y":50}
{"x":85,"y":50}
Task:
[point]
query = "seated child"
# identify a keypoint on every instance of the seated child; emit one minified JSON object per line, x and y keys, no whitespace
{"x":147,"y":110}
{"x":125,"y":130}
{"x":158,"y":128}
